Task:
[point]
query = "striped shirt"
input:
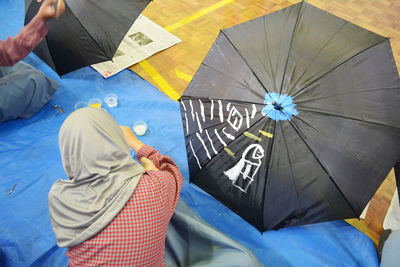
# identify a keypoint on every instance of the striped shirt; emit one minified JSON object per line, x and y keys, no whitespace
{"x":136,"y":236}
{"x":13,"y":49}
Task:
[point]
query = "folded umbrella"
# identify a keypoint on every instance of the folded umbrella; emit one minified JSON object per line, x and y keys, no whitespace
{"x":88,"y":32}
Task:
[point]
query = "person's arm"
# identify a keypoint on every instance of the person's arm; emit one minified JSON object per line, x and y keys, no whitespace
{"x":167,"y":173}
{"x":151,"y":159}
{"x":13,"y":49}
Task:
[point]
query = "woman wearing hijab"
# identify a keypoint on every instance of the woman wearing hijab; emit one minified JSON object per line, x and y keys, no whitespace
{"x":111,"y":211}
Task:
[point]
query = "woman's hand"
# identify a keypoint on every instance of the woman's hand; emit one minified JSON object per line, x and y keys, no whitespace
{"x":148,"y":165}
{"x":136,"y":145}
{"x":47,"y":10}
{"x":131,"y":138}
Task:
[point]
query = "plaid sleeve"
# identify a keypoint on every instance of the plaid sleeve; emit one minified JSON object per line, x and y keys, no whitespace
{"x":13,"y":49}
{"x":168,"y":174}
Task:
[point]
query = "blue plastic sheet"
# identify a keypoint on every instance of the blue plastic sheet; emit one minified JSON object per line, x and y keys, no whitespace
{"x":30,"y":161}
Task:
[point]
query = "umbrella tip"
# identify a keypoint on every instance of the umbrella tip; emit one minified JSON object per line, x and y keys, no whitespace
{"x":277,"y":106}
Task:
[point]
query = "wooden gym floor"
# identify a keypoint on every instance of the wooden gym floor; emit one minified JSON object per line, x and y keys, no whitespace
{"x":197,"y":24}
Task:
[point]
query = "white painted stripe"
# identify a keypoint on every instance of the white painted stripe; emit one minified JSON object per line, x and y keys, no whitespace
{"x":219,"y":137}
{"x":202,"y":110}
{"x":212,"y":109}
{"x":187,"y":124}
{"x":191,"y":106}
{"x":198,"y":123}
{"x":183,"y":105}
{"x":204,"y":145}
{"x":194,"y":154}
{"x":221,"y":115}
{"x":228,"y":107}
{"x":247,"y":119}
{"x":228,"y":134}
{"x":212,"y":145}
{"x":253,"y":112}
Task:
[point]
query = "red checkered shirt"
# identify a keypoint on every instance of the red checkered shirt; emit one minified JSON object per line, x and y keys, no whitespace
{"x":13,"y":49}
{"x":136,"y":236}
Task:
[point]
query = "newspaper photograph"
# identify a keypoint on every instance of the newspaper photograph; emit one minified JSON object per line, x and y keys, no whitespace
{"x":144,"y":39}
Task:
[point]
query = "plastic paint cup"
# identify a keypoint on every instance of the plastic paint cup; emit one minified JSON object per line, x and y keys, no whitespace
{"x":140,"y":127}
{"x":95,"y":102}
{"x":80,"y":104}
{"x":111,"y":100}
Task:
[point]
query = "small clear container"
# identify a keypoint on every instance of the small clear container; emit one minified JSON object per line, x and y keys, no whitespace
{"x":111,"y":100}
{"x":80,"y":104}
{"x":140,"y":127}
{"x":95,"y":102}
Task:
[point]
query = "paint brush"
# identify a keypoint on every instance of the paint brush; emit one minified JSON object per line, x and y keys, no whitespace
{"x":57,"y":107}
{"x":12,"y":189}
{"x":54,"y":4}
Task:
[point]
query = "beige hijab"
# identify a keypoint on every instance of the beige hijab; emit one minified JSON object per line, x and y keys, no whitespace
{"x":101,"y":176}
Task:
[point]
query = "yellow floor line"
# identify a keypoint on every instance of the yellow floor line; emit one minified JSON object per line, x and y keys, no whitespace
{"x":165,"y":86}
{"x":197,"y":15}
{"x":168,"y":90}
{"x":183,"y":76}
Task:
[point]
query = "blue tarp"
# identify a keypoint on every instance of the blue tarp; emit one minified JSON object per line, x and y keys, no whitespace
{"x":30,"y":161}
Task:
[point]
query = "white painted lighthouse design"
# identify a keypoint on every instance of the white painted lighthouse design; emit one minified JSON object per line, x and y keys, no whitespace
{"x":242,"y":174}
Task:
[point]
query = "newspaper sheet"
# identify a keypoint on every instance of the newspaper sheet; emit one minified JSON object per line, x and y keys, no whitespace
{"x":144,"y":38}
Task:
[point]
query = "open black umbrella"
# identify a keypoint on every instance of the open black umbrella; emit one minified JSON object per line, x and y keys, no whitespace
{"x":293,"y":118}
{"x":88,"y":32}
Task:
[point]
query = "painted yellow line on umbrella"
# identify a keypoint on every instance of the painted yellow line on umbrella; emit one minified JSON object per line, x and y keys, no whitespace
{"x":197,"y":15}
{"x":183,"y":76}
{"x":230,"y":153}
{"x":168,"y":90}
{"x":269,"y":135}
{"x":252,"y":136}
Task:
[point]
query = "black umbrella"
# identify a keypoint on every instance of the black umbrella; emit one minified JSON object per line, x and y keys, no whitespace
{"x":293,"y":118}
{"x":88,"y":32}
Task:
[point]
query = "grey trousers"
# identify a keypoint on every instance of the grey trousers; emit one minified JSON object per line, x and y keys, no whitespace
{"x":193,"y":242}
{"x":23,"y":91}
{"x":391,"y":250}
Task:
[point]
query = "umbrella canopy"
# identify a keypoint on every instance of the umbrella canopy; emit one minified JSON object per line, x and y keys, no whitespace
{"x":292,"y":118}
{"x":88,"y":32}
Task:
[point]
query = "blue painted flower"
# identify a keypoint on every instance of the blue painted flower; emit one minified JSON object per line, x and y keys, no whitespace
{"x":279,"y":107}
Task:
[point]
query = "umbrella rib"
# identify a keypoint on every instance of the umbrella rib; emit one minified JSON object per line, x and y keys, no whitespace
{"x":290,"y":164}
{"x":95,"y":41}
{"x":266,"y":178}
{"x":305,"y":87}
{"x":238,"y":101}
{"x":51,"y":56}
{"x":322,"y":166}
{"x":255,"y":75}
{"x":244,"y":86}
{"x":349,"y":93}
{"x":290,"y":46}
{"x":218,"y":123}
{"x":319,"y":52}
{"x":348,"y":118}
{"x":266,"y":49}
{"x":348,"y":152}
{"x":269,"y":157}
{"x":229,"y":142}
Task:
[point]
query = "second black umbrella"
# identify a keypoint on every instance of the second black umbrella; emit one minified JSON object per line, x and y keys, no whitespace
{"x":88,"y":32}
